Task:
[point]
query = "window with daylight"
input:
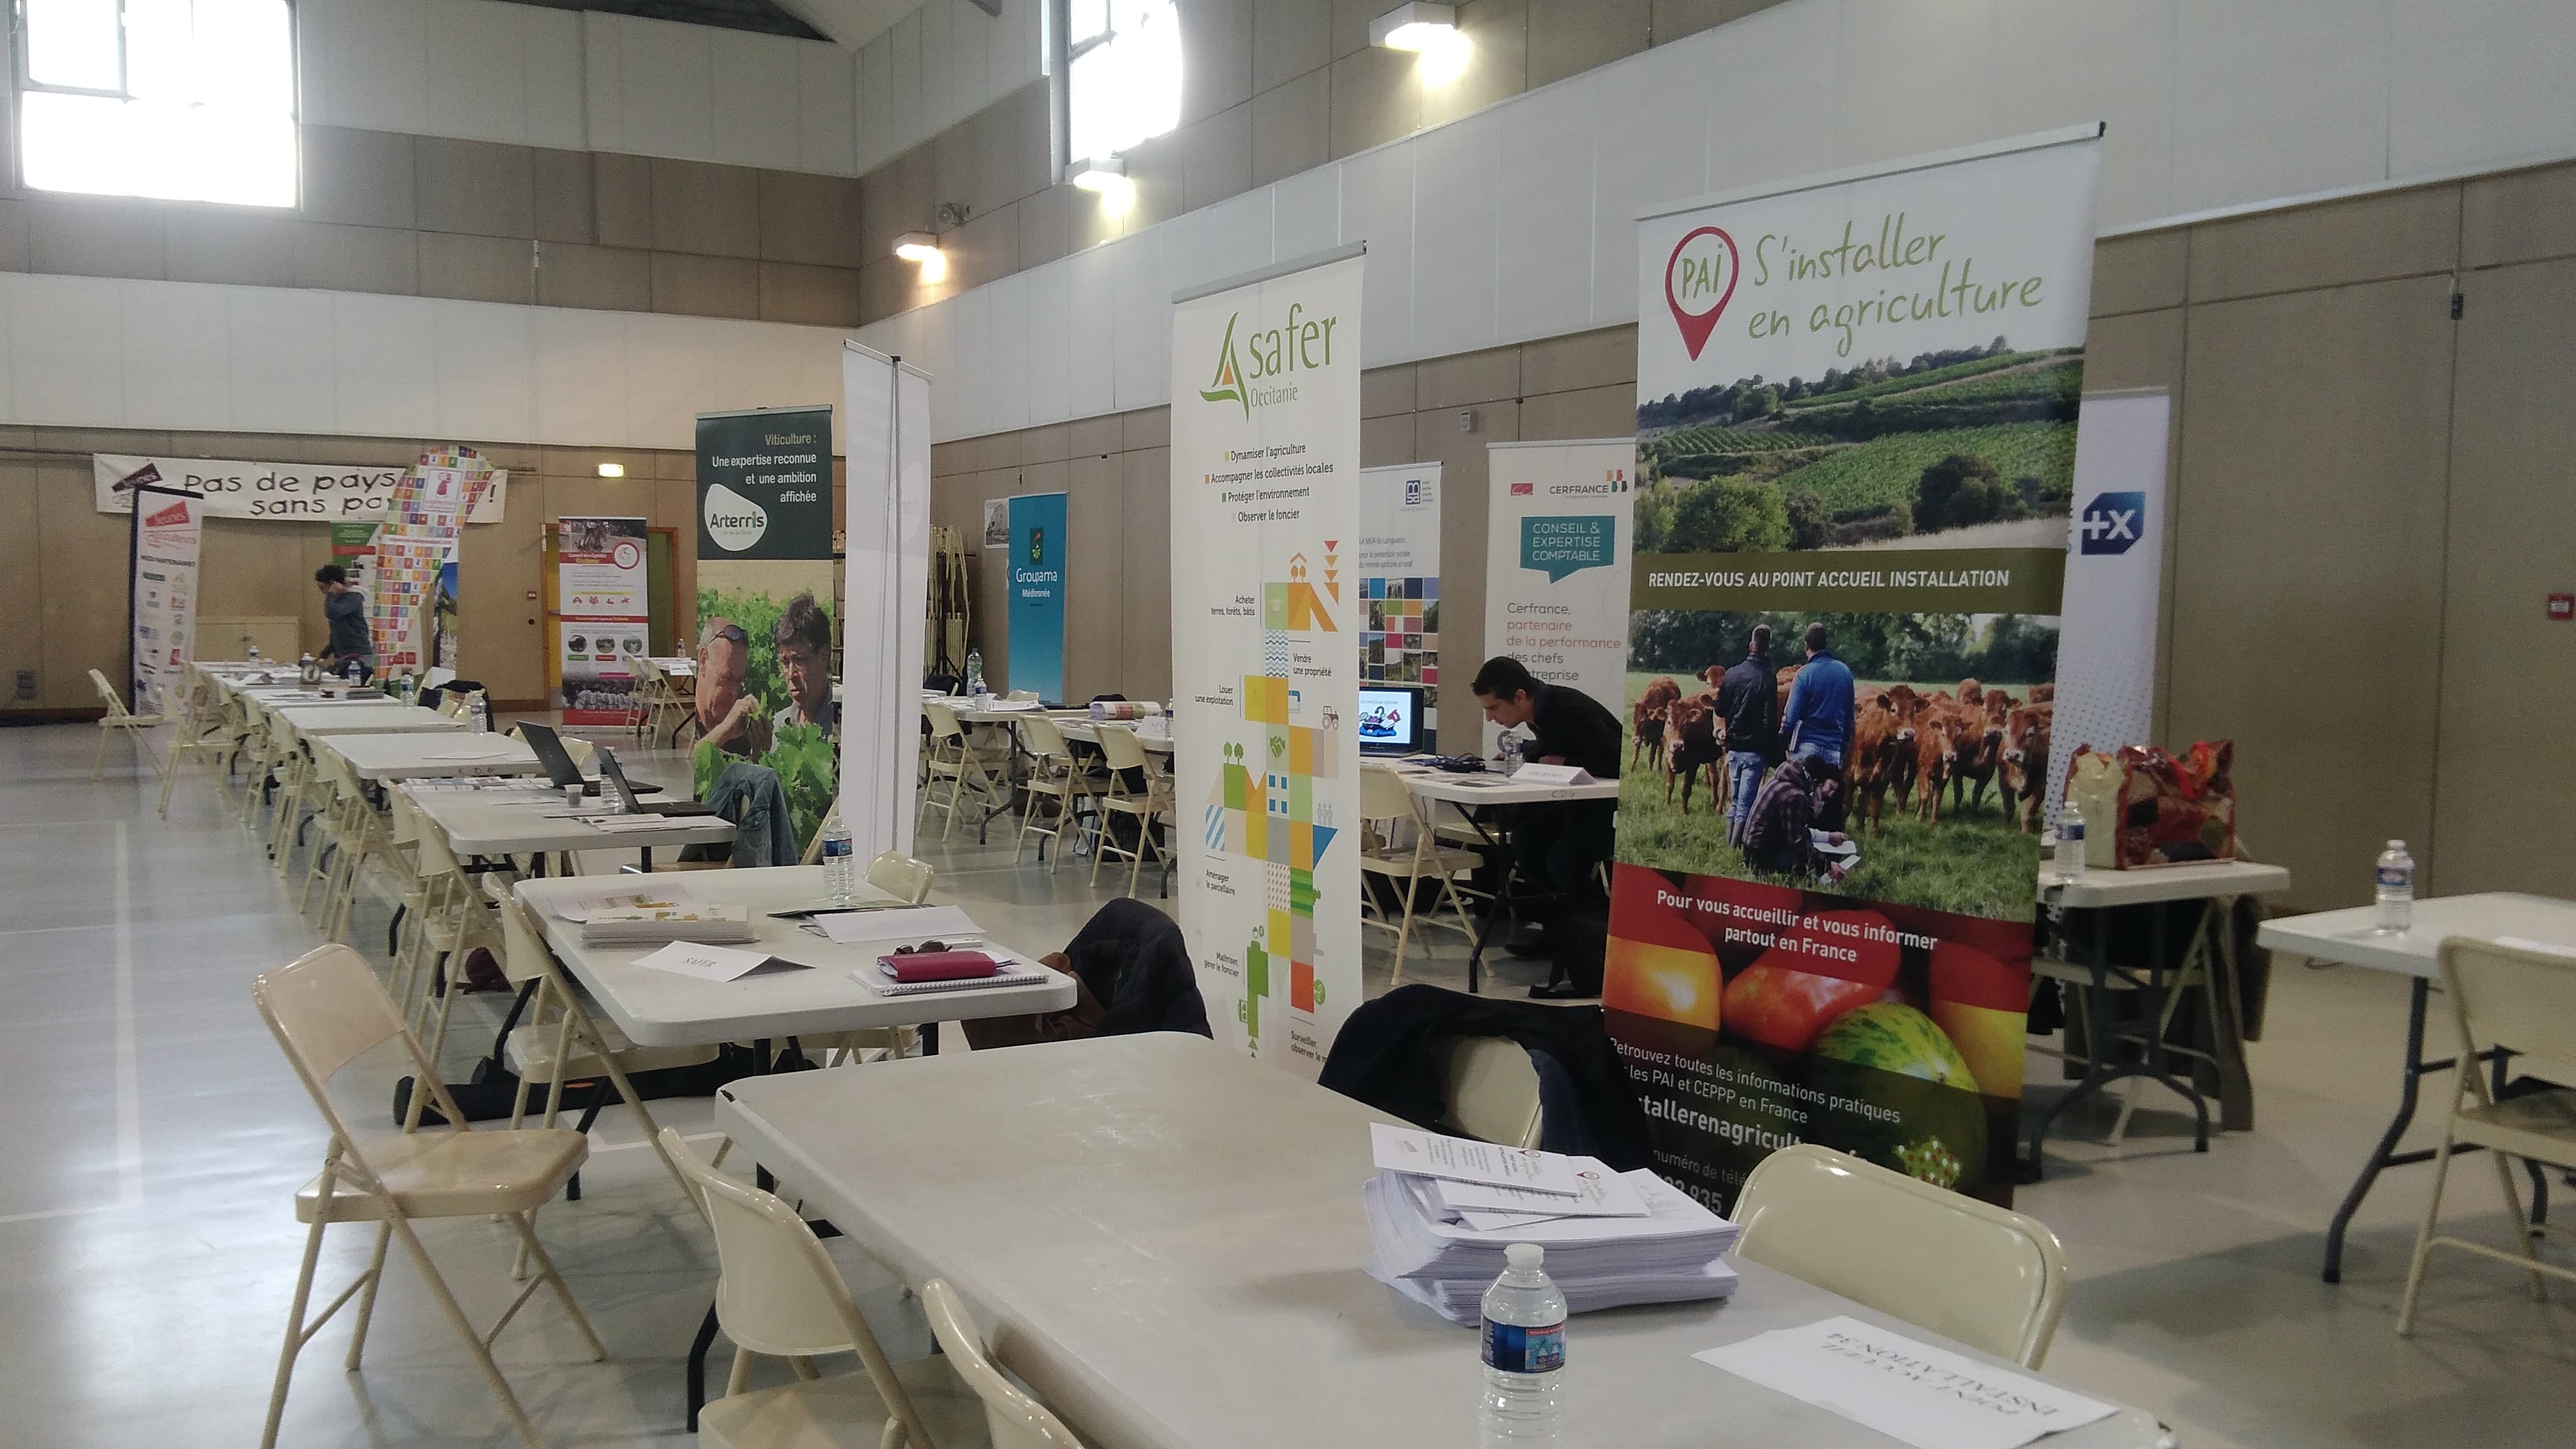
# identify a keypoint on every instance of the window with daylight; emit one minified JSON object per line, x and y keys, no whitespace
{"x":1124,"y":73}
{"x":188,"y":100}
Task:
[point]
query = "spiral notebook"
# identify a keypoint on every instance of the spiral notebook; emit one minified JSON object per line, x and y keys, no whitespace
{"x":1011,"y":974}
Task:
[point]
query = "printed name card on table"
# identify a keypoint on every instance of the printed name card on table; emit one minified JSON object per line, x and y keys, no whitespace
{"x":1908,"y":1390}
{"x":1460,"y":1159}
{"x":715,"y":963}
{"x":1551,"y":775}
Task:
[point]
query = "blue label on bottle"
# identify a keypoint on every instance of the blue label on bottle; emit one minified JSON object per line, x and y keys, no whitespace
{"x":1518,"y":1350}
{"x":2396,"y":878}
{"x":835,"y":846}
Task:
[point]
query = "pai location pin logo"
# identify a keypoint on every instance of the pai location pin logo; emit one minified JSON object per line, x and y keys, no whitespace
{"x":1699,"y":280}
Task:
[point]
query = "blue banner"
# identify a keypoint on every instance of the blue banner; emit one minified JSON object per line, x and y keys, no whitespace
{"x":1037,"y":595}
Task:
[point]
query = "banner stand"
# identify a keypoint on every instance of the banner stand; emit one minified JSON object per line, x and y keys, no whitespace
{"x":165,"y":543}
{"x":886,"y":412}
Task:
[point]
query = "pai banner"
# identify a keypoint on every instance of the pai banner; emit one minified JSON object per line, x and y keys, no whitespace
{"x":602,"y":618}
{"x":1399,"y":568}
{"x":1856,"y":405}
{"x":1037,"y":595}
{"x":169,"y":533}
{"x":1557,"y":543}
{"x":1265,"y":671}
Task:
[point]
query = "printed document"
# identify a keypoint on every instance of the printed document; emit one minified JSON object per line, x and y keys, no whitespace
{"x":1599,"y":1193}
{"x":714,"y":963}
{"x":1459,"y":1159}
{"x":1906,"y":1389}
{"x":906,"y":925}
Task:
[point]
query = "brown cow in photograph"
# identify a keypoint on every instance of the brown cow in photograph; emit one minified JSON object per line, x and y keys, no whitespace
{"x":1881,"y":758}
{"x":1649,"y":721}
{"x":1693,"y":742}
{"x":2043,"y":694}
{"x":1938,"y":735}
{"x":2025,"y":764}
{"x":1977,"y":747}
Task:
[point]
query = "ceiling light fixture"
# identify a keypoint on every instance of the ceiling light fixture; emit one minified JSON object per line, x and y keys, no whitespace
{"x":612,"y":470}
{"x":1106,"y":178}
{"x":1416,"y":26}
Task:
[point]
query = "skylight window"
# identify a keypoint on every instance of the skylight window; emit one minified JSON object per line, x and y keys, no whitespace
{"x":1124,"y":73}
{"x":186,"y":100}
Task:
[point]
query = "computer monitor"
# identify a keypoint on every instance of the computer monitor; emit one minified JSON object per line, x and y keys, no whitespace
{"x":1390,"y":721}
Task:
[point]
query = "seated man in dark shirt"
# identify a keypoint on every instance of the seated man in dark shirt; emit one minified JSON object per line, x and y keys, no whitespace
{"x":1558,"y":845}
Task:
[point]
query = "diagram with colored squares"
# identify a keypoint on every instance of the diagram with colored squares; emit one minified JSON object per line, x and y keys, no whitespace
{"x":1265,"y":806}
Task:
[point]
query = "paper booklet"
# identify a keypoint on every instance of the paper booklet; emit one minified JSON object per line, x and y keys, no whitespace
{"x":578,"y":907}
{"x":646,"y":924}
{"x":1599,"y":1193}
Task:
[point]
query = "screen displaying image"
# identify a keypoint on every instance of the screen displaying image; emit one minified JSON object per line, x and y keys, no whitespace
{"x":1389,"y":719}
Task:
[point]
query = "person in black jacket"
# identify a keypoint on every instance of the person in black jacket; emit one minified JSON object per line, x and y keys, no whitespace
{"x":1748,"y":700}
{"x":1558,"y":845}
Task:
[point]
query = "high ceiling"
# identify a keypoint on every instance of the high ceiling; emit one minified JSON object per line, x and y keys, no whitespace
{"x":849,"y":22}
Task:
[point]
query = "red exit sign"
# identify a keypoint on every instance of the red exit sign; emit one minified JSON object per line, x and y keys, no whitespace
{"x":2562,"y":607}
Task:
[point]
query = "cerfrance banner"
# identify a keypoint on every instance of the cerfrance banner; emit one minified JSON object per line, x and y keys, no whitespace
{"x":1265,"y":673}
{"x":602,"y":620}
{"x":887,"y":408}
{"x":1399,"y":568}
{"x":277,"y":492}
{"x":1856,"y":400}
{"x":2115,"y":549}
{"x":1557,"y":544}
{"x":1037,"y":560}
{"x":169,"y":532}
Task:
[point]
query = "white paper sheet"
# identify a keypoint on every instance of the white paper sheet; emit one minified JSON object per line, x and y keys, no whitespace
{"x":1551,"y":775}
{"x":1599,"y":1193}
{"x":1459,"y":1159}
{"x":711,"y":963}
{"x":1906,"y":1389}
{"x":638,"y":824}
{"x":916,"y":923}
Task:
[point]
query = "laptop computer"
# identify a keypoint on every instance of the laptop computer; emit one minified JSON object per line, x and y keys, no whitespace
{"x":616,"y":777}
{"x":551,"y":754}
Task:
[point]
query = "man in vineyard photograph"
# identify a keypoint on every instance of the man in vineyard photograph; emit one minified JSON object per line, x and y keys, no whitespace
{"x":1819,"y":717}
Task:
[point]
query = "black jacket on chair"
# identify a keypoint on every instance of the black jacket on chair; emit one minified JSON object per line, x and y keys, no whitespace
{"x":1386,"y":1056}
{"x":1135,"y":962}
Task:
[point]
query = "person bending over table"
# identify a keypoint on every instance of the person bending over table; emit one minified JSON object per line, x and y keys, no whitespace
{"x":1557,"y":845}
{"x":346,"y":610}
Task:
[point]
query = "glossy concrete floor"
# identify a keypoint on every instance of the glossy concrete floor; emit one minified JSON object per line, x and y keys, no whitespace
{"x":147,"y":1248}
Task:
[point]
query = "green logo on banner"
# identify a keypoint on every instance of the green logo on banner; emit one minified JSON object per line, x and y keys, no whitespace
{"x":1227,"y":385}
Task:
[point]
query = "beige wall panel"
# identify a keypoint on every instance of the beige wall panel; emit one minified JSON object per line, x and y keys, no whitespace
{"x":232,"y":247}
{"x":1498,"y":37}
{"x":1386,"y":440}
{"x":501,"y":633}
{"x":1095,"y":437}
{"x":1677,"y":18}
{"x":704,"y":286}
{"x":815,"y":296}
{"x":1467,"y":379}
{"x":1465,"y":482}
{"x":2507,"y":780}
{"x":1373,"y":99}
{"x":255,"y":568}
{"x":2145,"y":349}
{"x":1387,"y":390}
{"x":1568,"y":37}
{"x":1217,"y":38}
{"x":1046,"y":223}
{"x":97,"y":239}
{"x":1050,"y":444}
{"x":84,"y":612}
{"x":481,"y":187}
{"x":1096,"y":608}
{"x":1217,"y":158}
{"x":1585,"y":360}
{"x":809,"y":219}
{"x":1147,"y":659}
{"x":2140,"y":273}
{"x":361,"y":177}
{"x":622,"y":199}
{"x":1149,"y":428}
{"x":22,"y":646}
{"x":2400,"y":234}
{"x":2522,"y":217}
{"x":1292,"y":127}
{"x":2307,"y":595}
{"x":14,"y":225}
{"x":566,"y":204}
{"x":1289,"y":38}
{"x":570,"y":275}
{"x":704,"y":208}
{"x":356,"y":258}
{"x":1600,"y":412}
{"x":478,"y":268}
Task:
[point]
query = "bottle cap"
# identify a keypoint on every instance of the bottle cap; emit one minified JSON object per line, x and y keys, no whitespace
{"x":1524,"y":1256}
{"x":2397,"y":845}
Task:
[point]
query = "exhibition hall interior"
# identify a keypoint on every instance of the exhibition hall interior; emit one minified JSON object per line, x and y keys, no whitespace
{"x":1237,"y":724}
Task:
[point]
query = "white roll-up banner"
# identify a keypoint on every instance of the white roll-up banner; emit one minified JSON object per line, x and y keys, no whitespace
{"x":1399,"y":569}
{"x":2115,"y":559}
{"x":886,"y":416}
{"x":169,"y":533}
{"x":1557,"y":543}
{"x":1265,"y":661}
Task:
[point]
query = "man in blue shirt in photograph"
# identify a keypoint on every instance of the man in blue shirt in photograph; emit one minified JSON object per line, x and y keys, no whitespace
{"x":1817,"y":724}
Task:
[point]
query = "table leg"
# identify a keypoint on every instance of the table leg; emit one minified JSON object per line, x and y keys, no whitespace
{"x":698,"y":1348}
{"x":930,"y":1038}
{"x":2385,"y":1154}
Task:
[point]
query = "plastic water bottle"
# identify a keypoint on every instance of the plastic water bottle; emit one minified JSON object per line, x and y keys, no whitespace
{"x":974,"y":671}
{"x":254,"y":654}
{"x":2070,"y":838}
{"x":2396,"y":908}
{"x":1524,"y":1336}
{"x":840,"y":864}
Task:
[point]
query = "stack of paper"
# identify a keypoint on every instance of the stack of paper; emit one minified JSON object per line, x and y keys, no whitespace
{"x":1442,"y":1210}
{"x":633,"y":917}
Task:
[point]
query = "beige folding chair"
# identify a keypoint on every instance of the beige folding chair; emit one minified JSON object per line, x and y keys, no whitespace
{"x":1012,"y":1416}
{"x":1125,"y":757}
{"x":301,"y":790}
{"x":326,"y":1010}
{"x":458,"y":920}
{"x":961,"y":763}
{"x":1492,"y":1090}
{"x":358,"y":833}
{"x":780,"y":1294}
{"x":2504,"y":998}
{"x":203,"y":731}
{"x":1986,"y":1276}
{"x":1053,"y":775}
{"x":1388,"y":813}
{"x":118,"y":717}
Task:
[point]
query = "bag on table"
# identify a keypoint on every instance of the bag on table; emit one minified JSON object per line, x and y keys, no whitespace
{"x":2093,"y":779}
{"x":2176,"y":808}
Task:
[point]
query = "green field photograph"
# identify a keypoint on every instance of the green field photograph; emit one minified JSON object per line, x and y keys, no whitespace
{"x":1937,"y":791}
{"x":1976,"y":444}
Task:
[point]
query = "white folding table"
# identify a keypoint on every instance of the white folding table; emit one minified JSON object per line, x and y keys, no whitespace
{"x":1470,"y":791}
{"x":2217,"y":884}
{"x":489,"y":823}
{"x":429,"y":757}
{"x":2350,"y":938}
{"x":1170,"y":1237}
{"x":388,"y":718}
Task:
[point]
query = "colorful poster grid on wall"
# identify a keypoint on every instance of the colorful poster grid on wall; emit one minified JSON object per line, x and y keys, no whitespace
{"x":1401,"y":642}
